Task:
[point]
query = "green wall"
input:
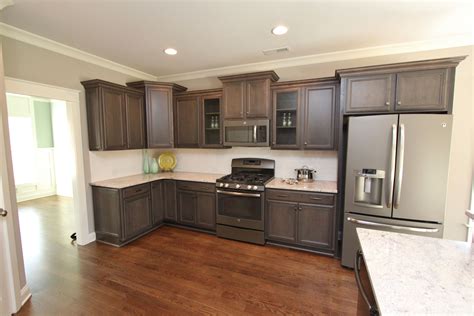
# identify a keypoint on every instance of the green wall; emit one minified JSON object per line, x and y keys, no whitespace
{"x":43,"y":122}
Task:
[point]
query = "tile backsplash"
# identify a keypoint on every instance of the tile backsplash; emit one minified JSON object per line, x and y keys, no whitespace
{"x":107,"y":165}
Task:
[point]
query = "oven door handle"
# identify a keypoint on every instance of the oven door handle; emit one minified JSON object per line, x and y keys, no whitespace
{"x":257,"y":195}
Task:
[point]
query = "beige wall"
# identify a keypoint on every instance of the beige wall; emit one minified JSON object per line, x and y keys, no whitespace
{"x":31,"y":63}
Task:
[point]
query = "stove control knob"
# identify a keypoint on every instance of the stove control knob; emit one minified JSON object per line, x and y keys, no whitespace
{"x":226,"y":185}
{"x":237,"y":186}
{"x":221,"y":184}
{"x":249,"y":187}
{"x":255,"y":187}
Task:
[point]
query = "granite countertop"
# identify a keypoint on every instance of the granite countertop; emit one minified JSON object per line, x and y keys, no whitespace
{"x":123,"y":182}
{"x":418,"y":275}
{"x":316,"y":186}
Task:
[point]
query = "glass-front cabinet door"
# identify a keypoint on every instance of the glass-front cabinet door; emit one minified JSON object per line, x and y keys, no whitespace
{"x":286,"y":121}
{"x":212,"y":121}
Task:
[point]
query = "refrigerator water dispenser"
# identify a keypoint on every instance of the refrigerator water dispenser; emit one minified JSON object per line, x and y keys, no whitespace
{"x":369,"y":185}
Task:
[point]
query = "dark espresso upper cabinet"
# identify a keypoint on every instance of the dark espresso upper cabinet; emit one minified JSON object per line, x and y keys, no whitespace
{"x":187,"y":121}
{"x":421,"y":86}
{"x":247,"y":95}
{"x":115,"y":116}
{"x":159,"y":111}
{"x":319,"y":117}
{"x":198,"y":119}
{"x":304,"y":114}
{"x":135,"y":115}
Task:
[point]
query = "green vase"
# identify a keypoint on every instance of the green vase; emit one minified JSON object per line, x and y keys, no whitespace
{"x":154,"y":165}
{"x":146,"y":163}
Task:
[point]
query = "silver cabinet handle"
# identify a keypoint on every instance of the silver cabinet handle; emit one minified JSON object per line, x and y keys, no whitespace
{"x":392,"y":166}
{"x":255,"y":133}
{"x":373,"y":309}
{"x":3,"y":213}
{"x":396,"y":227}
{"x":239,"y":193}
{"x":387,"y":103}
{"x":401,"y":158}
{"x":399,"y":102}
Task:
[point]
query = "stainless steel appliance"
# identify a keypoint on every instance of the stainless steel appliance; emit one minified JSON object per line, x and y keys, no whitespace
{"x":247,"y":133}
{"x":396,"y":176}
{"x":305,"y":174}
{"x":241,"y":201}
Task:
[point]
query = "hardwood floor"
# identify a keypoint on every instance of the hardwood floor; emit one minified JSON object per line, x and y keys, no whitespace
{"x":172,"y":271}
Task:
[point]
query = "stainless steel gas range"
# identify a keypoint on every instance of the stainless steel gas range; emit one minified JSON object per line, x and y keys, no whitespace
{"x":241,"y":200}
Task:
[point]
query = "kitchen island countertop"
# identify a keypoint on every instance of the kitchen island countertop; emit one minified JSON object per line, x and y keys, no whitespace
{"x":418,"y":275}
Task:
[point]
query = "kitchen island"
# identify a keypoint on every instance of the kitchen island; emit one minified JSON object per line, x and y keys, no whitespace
{"x":418,"y":275}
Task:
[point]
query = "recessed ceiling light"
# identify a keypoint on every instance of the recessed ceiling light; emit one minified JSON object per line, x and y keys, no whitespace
{"x":279,"y":30}
{"x":170,"y":51}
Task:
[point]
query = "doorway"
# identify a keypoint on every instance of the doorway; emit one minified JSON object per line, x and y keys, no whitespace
{"x":41,"y":150}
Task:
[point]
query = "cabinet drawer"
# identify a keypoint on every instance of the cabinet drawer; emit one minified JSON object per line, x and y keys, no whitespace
{"x":196,"y":186}
{"x":303,"y":197}
{"x":136,"y":190}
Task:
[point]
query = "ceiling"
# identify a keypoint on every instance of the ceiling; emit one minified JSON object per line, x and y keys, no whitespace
{"x":213,"y":34}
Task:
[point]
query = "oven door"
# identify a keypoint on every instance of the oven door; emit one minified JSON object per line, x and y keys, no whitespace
{"x":240,"y":209}
{"x":249,"y":133}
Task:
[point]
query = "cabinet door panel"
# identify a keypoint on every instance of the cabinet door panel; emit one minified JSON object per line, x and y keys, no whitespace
{"x":319,"y":121}
{"x":187,"y":122}
{"x":114,"y":118}
{"x":187,"y":205}
{"x":315,"y":225}
{"x":370,"y":93}
{"x":157,"y":202}
{"x":286,"y":108}
{"x":136,"y":215}
{"x":281,"y":221}
{"x":234,"y":99}
{"x":135,"y":121}
{"x":169,"y":190}
{"x":422,"y":90}
{"x":206,"y":211}
{"x":258,"y":98}
{"x":159,"y":118}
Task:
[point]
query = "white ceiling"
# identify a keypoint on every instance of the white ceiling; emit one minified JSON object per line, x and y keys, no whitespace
{"x":213,"y":34}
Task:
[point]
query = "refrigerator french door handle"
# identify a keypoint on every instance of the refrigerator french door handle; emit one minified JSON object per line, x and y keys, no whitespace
{"x":392,"y":165}
{"x":401,"y":158}
{"x":396,"y":227}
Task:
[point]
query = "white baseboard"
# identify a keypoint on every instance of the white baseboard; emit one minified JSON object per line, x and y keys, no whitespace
{"x":25,"y":294}
{"x":84,"y":240}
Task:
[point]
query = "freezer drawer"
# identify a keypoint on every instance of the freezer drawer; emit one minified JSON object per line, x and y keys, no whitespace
{"x":350,"y":243}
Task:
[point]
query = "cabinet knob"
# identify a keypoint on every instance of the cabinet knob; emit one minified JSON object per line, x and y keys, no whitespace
{"x":399,"y":102}
{"x":387,"y":103}
{"x":306,"y":143}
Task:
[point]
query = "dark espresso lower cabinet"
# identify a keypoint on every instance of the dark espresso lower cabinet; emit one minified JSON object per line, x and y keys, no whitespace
{"x":169,"y":200}
{"x":121,"y":215}
{"x":301,"y":219}
{"x":197,"y":204}
{"x":157,"y":202}
{"x":136,"y":215}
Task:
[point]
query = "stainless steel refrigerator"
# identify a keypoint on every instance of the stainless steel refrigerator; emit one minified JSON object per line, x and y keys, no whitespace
{"x":396,"y":176}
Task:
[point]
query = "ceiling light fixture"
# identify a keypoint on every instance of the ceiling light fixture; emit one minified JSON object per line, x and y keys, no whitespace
{"x":279,"y":30}
{"x":170,"y":51}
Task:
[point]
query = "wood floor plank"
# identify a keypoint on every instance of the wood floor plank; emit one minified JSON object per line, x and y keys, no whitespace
{"x":172,"y":271}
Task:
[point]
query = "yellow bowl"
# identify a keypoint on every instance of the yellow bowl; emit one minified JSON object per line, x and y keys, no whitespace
{"x":167,"y":161}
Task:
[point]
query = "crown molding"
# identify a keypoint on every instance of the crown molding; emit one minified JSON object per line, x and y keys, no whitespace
{"x":393,"y":49}
{"x":5,"y":3}
{"x":43,"y":42}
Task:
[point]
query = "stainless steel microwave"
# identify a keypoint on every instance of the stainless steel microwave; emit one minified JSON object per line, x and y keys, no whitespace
{"x":247,"y":133}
